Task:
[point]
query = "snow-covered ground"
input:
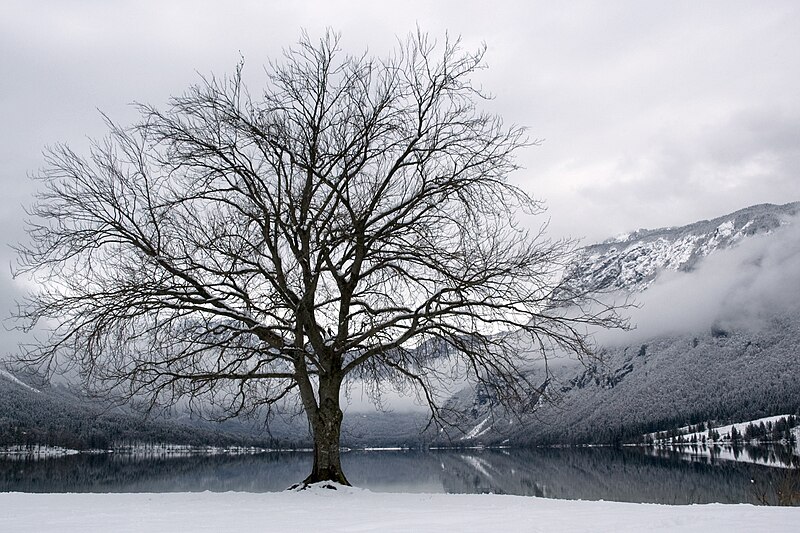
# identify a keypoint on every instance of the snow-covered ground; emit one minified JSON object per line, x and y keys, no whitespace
{"x":355,"y":510}
{"x":138,"y":451}
{"x":724,"y":431}
{"x":38,"y":451}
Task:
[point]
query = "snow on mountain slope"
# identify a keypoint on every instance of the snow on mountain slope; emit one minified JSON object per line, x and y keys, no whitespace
{"x":633,"y":261}
{"x":718,"y":337}
{"x":13,"y":379}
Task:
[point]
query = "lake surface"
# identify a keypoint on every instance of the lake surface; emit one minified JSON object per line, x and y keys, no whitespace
{"x":629,"y":474}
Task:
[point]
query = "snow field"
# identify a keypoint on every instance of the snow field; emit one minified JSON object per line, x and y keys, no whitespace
{"x":725,"y":431}
{"x":357,"y":510}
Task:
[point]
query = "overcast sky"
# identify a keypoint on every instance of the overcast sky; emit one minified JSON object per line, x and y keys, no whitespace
{"x":653,"y":113}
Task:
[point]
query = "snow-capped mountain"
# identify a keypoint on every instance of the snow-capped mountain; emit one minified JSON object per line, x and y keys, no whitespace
{"x":633,"y":261}
{"x":718,"y":337}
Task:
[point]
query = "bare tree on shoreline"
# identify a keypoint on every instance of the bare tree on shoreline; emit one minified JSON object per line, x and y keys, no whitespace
{"x":352,"y":222}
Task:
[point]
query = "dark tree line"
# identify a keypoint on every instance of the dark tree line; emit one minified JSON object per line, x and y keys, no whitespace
{"x":58,"y":417}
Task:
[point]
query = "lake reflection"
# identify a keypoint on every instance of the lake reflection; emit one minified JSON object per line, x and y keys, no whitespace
{"x":630,"y":474}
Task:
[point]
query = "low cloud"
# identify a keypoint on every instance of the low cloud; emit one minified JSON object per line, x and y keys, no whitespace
{"x":734,"y":288}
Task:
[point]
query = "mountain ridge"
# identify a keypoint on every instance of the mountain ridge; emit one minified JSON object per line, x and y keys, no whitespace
{"x":631,"y":262}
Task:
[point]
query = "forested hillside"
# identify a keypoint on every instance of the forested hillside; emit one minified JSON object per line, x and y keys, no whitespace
{"x":674,"y":380}
{"x":58,"y":416}
{"x":717,"y":338}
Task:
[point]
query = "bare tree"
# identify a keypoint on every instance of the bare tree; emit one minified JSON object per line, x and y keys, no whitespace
{"x":352,"y":223}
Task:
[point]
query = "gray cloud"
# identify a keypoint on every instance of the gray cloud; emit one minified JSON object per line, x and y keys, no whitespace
{"x":654,"y":114}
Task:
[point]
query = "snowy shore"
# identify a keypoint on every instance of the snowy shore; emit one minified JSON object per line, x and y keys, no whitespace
{"x":348,"y":510}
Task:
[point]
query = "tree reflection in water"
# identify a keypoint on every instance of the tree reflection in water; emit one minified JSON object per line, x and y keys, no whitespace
{"x":665,"y":475}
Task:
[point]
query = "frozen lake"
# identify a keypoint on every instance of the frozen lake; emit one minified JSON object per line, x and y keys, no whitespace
{"x":627,"y":475}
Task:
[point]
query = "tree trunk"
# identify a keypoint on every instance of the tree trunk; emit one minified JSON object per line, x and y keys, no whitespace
{"x":326,"y":426}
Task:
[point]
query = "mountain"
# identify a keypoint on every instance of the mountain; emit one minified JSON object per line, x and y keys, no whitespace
{"x":632,"y":261}
{"x":36,"y":412}
{"x":718,"y":335}
{"x":673,"y":380}
{"x":33,"y":411}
